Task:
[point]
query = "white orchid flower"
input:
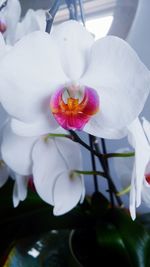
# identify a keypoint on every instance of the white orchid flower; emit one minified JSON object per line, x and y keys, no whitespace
{"x":136,"y":172}
{"x":10,"y":11}
{"x":68,"y":79}
{"x":51,"y":161}
{"x":32,"y":21}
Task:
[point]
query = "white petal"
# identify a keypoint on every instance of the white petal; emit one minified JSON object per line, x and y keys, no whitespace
{"x":74,"y":43}
{"x":41,"y":18}
{"x":40,"y":127}
{"x":51,"y":158}
{"x":4,"y":173}
{"x":121,"y":80}
{"x":83,"y":190}
{"x":11,"y":16}
{"x":15,"y":195}
{"x":146,"y":127}
{"x":22,"y":182}
{"x":2,"y":46}
{"x":67,"y":193}
{"x":70,"y":152}
{"x":16,"y":151}
{"x":28,"y":77}
{"x":33,"y":21}
{"x":20,"y":189}
{"x":3,"y":117}
{"x":96,"y":128}
{"x":142,"y":156}
{"x":47,"y":165}
{"x":146,"y":194}
{"x":132,"y":205}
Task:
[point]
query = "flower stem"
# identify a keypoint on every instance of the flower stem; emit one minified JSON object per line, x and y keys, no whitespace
{"x":82,"y":11}
{"x":113,"y":187}
{"x":112,"y":155}
{"x":105,"y":162}
{"x":77,"y":139}
{"x":124,"y":191}
{"x":93,"y":163}
{"x":59,"y":135}
{"x":51,"y":15}
{"x":90,"y":173}
{"x":72,"y":7}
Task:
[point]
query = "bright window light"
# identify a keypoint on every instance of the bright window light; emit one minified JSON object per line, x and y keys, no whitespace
{"x":99,"y":26}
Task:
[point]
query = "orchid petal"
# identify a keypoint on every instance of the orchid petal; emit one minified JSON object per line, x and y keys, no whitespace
{"x":146,"y":127}
{"x":67,"y":193}
{"x":3,"y":118}
{"x":142,"y":151}
{"x":16,"y":151}
{"x":28,"y":77}
{"x":146,"y":194}
{"x":11,"y":16}
{"x":40,"y":127}
{"x":121,"y":80}
{"x":28,"y":24}
{"x":45,"y":168}
{"x":20,"y":189}
{"x":132,"y":205}
{"x":74,"y":43}
{"x":15,"y":197}
{"x":41,"y":18}
{"x":94,"y":127}
{"x":32,"y":21}
{"x":58,"y":159}
{"x":2,"y":46}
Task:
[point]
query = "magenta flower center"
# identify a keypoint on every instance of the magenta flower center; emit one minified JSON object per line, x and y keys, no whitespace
{"x":73,"y":106}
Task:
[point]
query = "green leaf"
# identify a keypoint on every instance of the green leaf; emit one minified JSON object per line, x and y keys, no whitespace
{"x":111,"y":248}
{"x":135,"y":237}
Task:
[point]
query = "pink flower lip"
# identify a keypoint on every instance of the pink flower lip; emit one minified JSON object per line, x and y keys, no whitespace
{"x":73,"y":106}
{"x":3,"y":27}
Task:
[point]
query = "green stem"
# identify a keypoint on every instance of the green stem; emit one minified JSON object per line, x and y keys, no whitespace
{"x":59,"y":135}
{"x":90,"y":173}
{"x":121,"y":155}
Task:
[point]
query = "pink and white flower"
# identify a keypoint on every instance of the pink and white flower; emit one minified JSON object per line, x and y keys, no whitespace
{"x":69,"y":79}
